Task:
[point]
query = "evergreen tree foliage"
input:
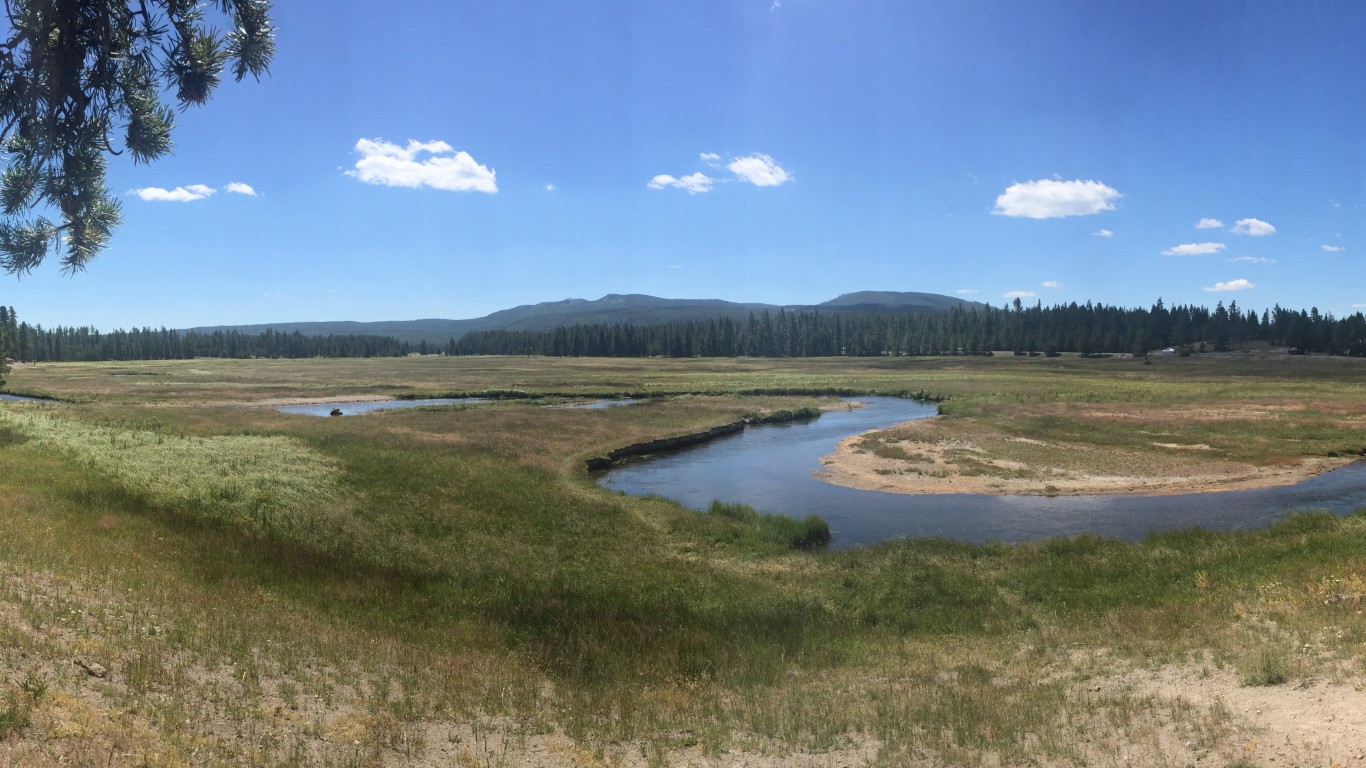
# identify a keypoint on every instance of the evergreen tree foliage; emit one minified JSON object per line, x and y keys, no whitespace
{"x":82,"y":78}
{"x":35,"y":344}
{"x":1087,"y":329}
{"x":4,"y":343}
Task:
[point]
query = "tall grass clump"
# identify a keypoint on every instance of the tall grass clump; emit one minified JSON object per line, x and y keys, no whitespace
{"x":811,"y":532}
{"x":1264,"y":667}
{"x":272,"y":487}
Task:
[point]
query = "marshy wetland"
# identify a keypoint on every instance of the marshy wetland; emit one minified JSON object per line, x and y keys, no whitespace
{"x":447,"y":585}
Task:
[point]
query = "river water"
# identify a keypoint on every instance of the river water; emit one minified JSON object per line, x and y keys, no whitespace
{"x":355,"y":409}
{"x":769,"y":468}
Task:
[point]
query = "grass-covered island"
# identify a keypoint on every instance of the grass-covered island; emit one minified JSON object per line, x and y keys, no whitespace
{"x":190,"y":577}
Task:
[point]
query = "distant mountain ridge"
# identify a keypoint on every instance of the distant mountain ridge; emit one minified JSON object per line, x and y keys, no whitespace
{"x":627,"y":309}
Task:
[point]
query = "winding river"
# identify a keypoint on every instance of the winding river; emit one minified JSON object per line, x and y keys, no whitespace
{"x":769,"y":468}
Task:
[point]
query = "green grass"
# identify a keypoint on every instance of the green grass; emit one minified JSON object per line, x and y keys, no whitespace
{"x":811,"y":532}
{"x":385,"y":579}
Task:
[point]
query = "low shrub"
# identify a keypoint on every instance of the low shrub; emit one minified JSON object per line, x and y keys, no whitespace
{"x":785,"y":415}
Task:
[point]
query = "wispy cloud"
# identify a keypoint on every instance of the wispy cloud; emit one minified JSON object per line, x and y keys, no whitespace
{"x":433,"y":164}
{"x":1053,"y":198}
{"x":1103,"y":233}
{"x":1232,"y":285}
{"x":967,"y":290}
{"x":550,"y":187}
{"x":1208,"y":224}
{"x":1051,"y":284}
{"x":1333,"y":248}
{"x":1252,"y":228}
{"x":1251,"y":260}
{"x":1193,"y":249}
{"x":757,"y":169}
{"x":1019,"y":294}
{"x":693,"y":183}
{"x":238,"y":188}
{"x":184,"y":194}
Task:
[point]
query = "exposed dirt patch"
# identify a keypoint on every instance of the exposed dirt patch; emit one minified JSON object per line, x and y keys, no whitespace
{"x":919,"y":458}
{"x":1307,"y":723}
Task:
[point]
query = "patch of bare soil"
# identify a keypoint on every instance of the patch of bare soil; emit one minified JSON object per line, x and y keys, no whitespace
{"x":1307,"y":723}
{"x":917,"y":459}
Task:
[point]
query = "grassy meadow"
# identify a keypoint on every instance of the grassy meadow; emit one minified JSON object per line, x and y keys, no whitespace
{"x":189,"y":577}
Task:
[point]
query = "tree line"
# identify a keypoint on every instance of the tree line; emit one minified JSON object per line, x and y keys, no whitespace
{"x":1079,"y":328}
{"x":36,"y":344}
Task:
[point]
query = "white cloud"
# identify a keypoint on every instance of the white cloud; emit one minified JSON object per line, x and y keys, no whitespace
{"x":550,"y":187}
{"x":967,"y":290}
{"x":1232,"y":285}
{"x":183,"y":194}
{"x":1333,"y":249}
{"x":1208,"y":224}
{"x":1252,"y":228}
{"x":1051,"y":284}
{"x":239,"y":188}
{"x":759,"y":170}
{"x":1019,"y":294}
{"x":1251,"y":260}
{"x":1053,"y":198}
{"x":390,"y":165}
{"x":693,"y":183}
{"x":1193,"y":249}
{"x":1359,"y":306}
{"x":1103,"y":233}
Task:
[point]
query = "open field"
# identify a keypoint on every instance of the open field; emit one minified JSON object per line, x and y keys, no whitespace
{"x":189,"y":578}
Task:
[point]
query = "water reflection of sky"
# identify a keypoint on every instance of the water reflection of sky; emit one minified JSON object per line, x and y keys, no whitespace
{"x":597,"y":405}
{"x":770,"y":469}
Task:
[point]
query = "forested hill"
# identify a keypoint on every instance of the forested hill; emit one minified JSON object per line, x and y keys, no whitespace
{"x":612,"y":309}
{"x":891,"y":301}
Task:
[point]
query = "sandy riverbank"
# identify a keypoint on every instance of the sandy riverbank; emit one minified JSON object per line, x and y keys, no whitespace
{"x":918,"y":457}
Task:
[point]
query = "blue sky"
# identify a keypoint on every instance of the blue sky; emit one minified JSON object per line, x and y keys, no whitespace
{"x":449,"y":159}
